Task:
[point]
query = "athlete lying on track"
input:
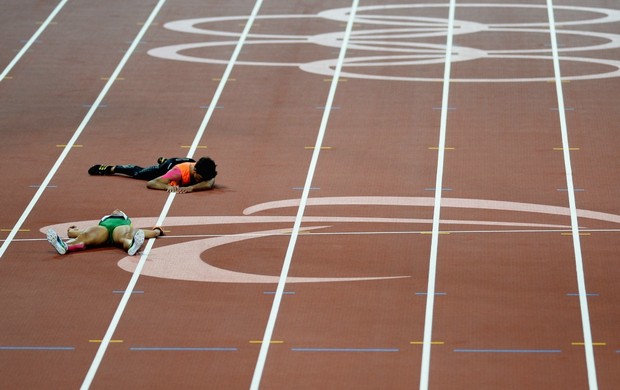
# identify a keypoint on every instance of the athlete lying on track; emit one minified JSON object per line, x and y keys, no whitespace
{"x":181,"y":175}
{"x":113,"y":230}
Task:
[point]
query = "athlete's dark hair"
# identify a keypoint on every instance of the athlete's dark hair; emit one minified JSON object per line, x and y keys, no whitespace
{"x":206,"y":168}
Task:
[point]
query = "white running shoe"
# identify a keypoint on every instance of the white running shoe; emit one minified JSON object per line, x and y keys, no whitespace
{"x":57,"y":243}
{"x":138,"y":240}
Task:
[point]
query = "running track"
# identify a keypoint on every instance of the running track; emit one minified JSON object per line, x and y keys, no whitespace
{"x":409,"y":195}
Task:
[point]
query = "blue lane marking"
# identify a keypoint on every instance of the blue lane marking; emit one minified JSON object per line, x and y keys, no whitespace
{"x":180,"y":349}
{"x":345,"y":349}
{"x":510,"y":350}
{"x":123,"y":292}
{"x":27,"y":348}
{"x":587,"y":294}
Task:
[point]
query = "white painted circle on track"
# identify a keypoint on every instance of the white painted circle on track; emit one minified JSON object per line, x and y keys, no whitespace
{"x":184,"y":261}
{"x":397,"y":44}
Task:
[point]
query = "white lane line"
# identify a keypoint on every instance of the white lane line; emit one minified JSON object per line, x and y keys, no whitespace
{"x":271,"y":322}
{"x":77,"y":133}
{"x":583,"y":300}
{"x":160,"y":221}
{"x":430,"y":298}
{"x":32,"y":39}
{"x":225,"y":78}
{"x":108,"y":336}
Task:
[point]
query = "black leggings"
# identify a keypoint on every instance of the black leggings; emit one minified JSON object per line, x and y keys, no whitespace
{"x":152,"y":172}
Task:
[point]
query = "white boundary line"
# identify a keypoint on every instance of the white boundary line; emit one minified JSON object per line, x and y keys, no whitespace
{"x":77,"y":133}
{"x":106,"y":340}
{"x":33,"y":39}
{"x":225,"y":76}
{"x":430,"y":297}
{"x":583,"y":300}
{"x":271,"y":322}
{"x":147,"y":249}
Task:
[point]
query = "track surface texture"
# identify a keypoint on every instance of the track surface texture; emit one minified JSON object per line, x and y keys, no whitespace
{"x":410,"y":194}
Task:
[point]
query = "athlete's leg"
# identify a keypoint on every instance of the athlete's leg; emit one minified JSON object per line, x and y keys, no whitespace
{"x":155,"y":171}
{"x":135,"y":171}
{"x":157,"y":231}
{"x":149,"y":173}
{"x":154,"y":233}
{"x":73,"y":231}
{"x":127,"y":170}
{"x":92,"y":236}
{"x":128,"y":238}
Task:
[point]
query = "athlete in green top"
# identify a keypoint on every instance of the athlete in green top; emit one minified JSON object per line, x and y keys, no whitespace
{"x":113,"y":230}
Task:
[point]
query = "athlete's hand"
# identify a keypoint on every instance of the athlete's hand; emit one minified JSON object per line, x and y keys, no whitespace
{"x":184,"y":190}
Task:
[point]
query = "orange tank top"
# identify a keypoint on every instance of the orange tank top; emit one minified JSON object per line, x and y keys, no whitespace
{"x":186,"y":172}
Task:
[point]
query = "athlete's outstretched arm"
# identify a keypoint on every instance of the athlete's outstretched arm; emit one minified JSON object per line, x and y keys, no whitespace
{"x":159,"y":183}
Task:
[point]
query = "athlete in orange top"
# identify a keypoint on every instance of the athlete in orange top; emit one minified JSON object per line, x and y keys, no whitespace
{"x":181,"y":175}
{"x":186,"y":177}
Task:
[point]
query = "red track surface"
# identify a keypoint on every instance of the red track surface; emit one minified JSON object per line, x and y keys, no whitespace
{"x":506,"y":270}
